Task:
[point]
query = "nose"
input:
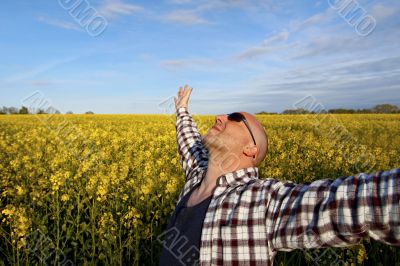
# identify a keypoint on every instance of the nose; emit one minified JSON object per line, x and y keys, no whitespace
{"x":219,"y":119}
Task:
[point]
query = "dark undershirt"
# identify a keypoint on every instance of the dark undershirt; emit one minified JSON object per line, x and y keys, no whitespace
{"x":181,"y":244}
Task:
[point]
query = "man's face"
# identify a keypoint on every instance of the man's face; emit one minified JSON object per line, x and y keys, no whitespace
{"x":227,"y":136}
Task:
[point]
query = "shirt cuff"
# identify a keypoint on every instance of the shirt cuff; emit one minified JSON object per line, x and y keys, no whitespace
{"x":181,"y":110}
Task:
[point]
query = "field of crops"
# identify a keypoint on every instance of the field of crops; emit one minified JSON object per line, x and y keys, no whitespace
{"x":99,"y":189}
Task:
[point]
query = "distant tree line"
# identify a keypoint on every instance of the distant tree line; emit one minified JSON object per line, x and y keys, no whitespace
{"x":377,"y":109}
{"x":25,"y":111}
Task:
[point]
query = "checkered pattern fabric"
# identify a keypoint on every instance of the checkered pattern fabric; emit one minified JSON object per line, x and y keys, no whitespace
{"x":249,"y":219}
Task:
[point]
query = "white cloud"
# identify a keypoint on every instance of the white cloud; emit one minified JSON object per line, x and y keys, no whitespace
{"x":60,"y":23}
{"x":350,"y":84}
{"x":186,"y":63}
{"x":254,"y":52}
{"x":269,"y":45}
{"x":277,"y":42}
{"x":188,"y":17}
{"x":282,"y":36}
{"x":35,"y":71}
{"x":255,"y":5}
{"x":380,"y":12}
{"x":179,"y":2}
{"x":112,"y":9}
{"x":195,"y":15}
{"x":316,"y":19}
{"x":39,"y":83}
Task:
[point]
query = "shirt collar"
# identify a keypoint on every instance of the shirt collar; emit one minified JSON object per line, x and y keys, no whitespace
{"x":239,"y":177}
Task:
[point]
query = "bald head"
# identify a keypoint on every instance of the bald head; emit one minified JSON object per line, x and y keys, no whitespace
{"x":259,"y":135}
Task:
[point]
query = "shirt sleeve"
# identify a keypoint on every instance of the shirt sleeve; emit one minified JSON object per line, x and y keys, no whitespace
{"x":334,"y":213}
{"x":193,"y":154}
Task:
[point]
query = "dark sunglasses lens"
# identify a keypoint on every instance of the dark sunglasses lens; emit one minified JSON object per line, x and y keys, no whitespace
{"x":236,"y":117}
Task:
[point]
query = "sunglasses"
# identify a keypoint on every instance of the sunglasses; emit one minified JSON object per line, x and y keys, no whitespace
{"x":238,"y":117}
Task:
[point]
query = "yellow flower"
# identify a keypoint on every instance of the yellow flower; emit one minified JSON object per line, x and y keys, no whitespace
{"x":163,"y":176}
{"x":20,"y":190}
{"x":106,"y":229}
{"x":146,"y":189}
{"x":20,"y":224}
{"x":9,"y":211}
{"x":102,"y":193}
{"x":131,"y":218}
{"x":171,"y":186}
{"x":124,"y":197}
{"x":65,"y":197}
{"x":362,"y":254}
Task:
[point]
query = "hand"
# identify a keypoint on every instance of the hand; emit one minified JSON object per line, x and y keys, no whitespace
{"x":182,"y":99}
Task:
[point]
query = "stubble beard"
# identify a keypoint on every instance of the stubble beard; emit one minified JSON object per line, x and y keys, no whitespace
{"x":220,"y":154}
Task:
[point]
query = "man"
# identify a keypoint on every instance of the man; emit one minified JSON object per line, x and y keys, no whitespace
{"x":227,"y":216}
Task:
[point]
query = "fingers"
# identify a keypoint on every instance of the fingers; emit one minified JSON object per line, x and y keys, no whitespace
{"x":187,"y":90}
{"x":184,"y":91}
{"x":182,"y":98}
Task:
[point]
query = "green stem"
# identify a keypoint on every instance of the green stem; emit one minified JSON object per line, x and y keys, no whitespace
{"x":58,"y":230}
{"x":77,"y":228}
{"x":93,"y":223}
{"x":120,"y":244}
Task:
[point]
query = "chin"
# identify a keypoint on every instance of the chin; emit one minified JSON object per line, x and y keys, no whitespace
{"x":208,"y":138}
{"x":212,"y":140}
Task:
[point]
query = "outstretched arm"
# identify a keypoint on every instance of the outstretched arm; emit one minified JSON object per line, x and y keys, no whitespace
{"x":334,"y":213}
{"x":193,"y":154}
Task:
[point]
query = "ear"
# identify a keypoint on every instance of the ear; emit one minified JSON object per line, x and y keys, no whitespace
{"x":250,"y":150}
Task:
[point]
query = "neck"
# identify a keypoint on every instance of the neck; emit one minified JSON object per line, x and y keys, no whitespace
{"x":216,"y":169}
{"x":210,"y":180}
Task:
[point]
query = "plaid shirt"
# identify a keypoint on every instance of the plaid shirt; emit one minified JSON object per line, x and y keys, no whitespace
{"x":249,"y":220}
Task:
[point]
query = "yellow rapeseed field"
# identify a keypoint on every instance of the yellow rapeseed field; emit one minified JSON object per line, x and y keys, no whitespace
{"x":99,"y":189}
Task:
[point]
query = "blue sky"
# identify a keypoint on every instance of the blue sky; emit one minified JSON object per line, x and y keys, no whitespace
{"x":238,"y":55}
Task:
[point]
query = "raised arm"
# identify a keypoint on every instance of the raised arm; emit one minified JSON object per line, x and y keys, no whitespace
{"x":334,"y":213}
{"x":193,"y":154}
